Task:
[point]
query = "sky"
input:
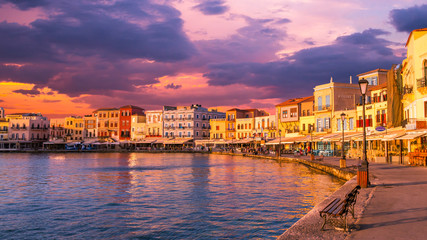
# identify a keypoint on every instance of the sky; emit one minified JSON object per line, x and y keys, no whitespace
{"x":62,"y":57}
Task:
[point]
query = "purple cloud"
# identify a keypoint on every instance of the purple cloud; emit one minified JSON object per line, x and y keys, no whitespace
{"x":212,"y":7}
{"x":298,"y":74}
{"x":408,"y":19}
{"x":33,"y":92}
{"x":173,"y":86}
{"x":94,"y":47}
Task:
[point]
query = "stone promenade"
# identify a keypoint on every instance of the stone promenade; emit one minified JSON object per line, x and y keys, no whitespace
{"x":394,"y":207}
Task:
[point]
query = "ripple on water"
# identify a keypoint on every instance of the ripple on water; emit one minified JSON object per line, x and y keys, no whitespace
{"x":153,"y":196}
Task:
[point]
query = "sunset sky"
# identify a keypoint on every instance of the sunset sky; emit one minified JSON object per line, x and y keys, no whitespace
{"x":62,"y":57}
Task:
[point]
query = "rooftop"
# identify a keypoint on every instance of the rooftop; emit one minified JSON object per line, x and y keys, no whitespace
{"x":373,"y":71}
{"x":294,"y":101}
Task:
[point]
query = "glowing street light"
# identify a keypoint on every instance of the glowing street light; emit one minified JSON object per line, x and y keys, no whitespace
{"x":363,"y":170}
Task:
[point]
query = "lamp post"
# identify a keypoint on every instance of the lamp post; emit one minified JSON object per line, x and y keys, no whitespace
{"x":342,"y":160}
{"x":311,"y":143}
{"x":280,"y":143}
{"x":363,"y":170}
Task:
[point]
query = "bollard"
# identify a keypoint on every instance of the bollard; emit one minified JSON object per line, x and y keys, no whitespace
{"x":343,"y":163}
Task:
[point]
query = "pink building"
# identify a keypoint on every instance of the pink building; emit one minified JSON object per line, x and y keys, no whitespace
{"x":29,"y":127}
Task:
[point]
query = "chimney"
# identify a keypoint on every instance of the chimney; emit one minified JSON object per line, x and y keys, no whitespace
{"x":351,"y":80}
{"x":332,"y":80}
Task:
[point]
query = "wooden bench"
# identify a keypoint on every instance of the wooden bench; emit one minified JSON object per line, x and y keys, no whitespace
{"x":339,"y":209}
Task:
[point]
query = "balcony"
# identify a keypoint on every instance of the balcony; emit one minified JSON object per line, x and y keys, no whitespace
{"x":422,"y":85}
{"x":323,"y":108}
{"x":408,"y":89}
{"x":413,"y":123}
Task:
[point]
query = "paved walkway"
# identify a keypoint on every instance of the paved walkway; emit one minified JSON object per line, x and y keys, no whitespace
{"x":398,"y":207}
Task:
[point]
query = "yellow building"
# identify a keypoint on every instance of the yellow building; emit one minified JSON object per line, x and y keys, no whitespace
{"x":414,"y":74}
{"x":330,"y":98}
{"x":218,"y":128}
{"x":245,"y":128}
{"x":233,"y":114}
{"x":74,"y":127}
{"x":138,"y":127}
{"x":350,"y":121}
{"x":289,"y":112}
{"x":4,"y":125}
{"x":306,"y":124}
{"x":154,"y":123}
{"x":107,"y":122}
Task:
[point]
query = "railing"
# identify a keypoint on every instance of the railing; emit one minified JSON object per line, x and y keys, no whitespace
{"x":414,"y":123}
{"x":421,"y":82}
{"x":408,"y":89}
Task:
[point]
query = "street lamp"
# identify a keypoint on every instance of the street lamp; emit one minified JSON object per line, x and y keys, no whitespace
{"x":311,"y":142}
{"x":342,"y":160}
{"x":280,"y":143}
{"x":363,"y":170}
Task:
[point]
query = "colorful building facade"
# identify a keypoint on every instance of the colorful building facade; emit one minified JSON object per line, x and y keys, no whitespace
{"x":125,"y":120}
{"x":154,"y":123}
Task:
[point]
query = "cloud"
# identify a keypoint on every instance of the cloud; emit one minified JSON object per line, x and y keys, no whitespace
{"x":212,"y":7}
{"x":298,"y":74}
{"x":33,"y":92}
{"x":26,"y":4}
{"x":1,"y":100}
{"x":408,"y":19}
{"x":173,"y":86}
{"x":94,"y":47}
{"x":50,"y":101}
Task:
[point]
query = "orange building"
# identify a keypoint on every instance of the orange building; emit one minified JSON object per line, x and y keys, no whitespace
{"x":125,"y":120}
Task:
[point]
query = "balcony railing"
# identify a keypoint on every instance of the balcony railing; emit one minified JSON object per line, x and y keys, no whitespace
{"x":421,"y":82}
{"x":408,"y":89}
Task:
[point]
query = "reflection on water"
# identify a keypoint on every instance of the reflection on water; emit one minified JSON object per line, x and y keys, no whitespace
{"x":153,"y":196}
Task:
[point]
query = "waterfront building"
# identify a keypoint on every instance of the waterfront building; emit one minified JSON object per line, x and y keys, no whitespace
{"x":188,"y":121}
{"x":414,"y":80}
{"x":350,"y":121}
{"x":4,"y":126}
{"x":218,"y":128}
{"x":125,"y":120}
{"x":330,"y":98}
{"x":107,"y":123}
{"x":375,"y":108}
{"x":74,"y":126}
{"x":265,"y":127}
{"x":247,"y":129}
{"x":138,"y":127}
{"x":28,"y":127}
{"x":154,"y":123}
{"x":289,"y":113}
{"x":57,"y":129}
{"x":90,"y":128}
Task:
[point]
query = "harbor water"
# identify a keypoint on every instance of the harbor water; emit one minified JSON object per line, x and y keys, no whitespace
{"x":153,"y":196}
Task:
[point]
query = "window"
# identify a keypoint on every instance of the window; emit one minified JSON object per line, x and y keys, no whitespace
{"x":285,"y":114}
{"x":166,"y":134}
{"x":425,"y":109}
{"x":327,"y":101}
{"x":197,"y":134}
{"x":303,"y":112}
{"x":293,"y":112}
{"x":338,"y":124}
{"x":319,"y":103}
{"x":197,"y":116}
{"x":188,"y":134}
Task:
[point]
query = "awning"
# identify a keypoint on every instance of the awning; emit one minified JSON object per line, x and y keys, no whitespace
{"x":393,"y":135}
{"x":177,"y":141}
{"x":409,"y":136}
